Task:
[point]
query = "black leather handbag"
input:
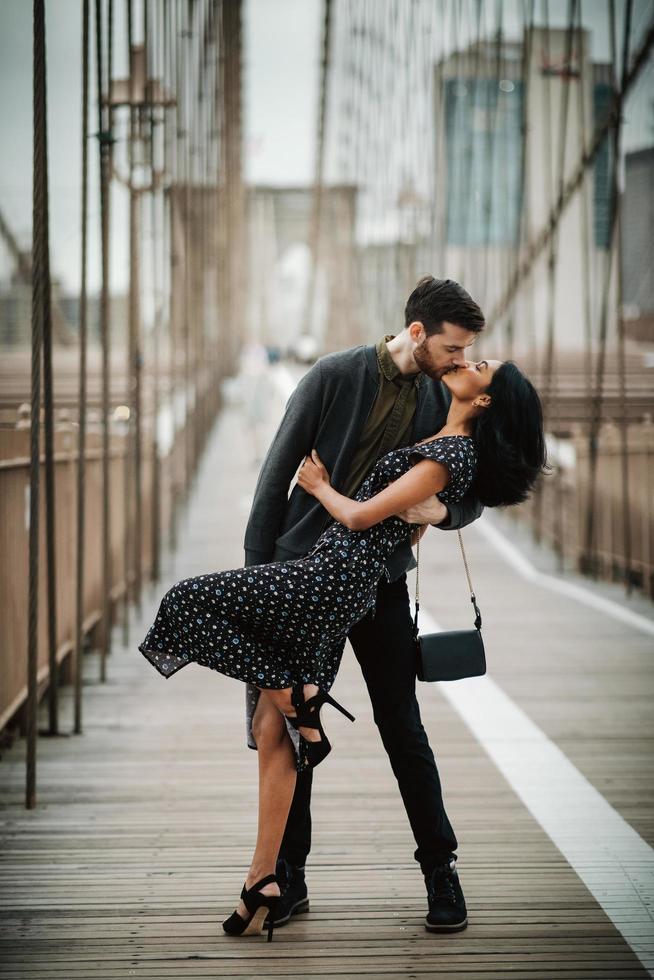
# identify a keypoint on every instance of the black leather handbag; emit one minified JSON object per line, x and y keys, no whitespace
{"x":452,"y":654}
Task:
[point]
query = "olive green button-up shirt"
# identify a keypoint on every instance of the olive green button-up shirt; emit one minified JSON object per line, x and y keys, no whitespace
{"x":389,"y":423}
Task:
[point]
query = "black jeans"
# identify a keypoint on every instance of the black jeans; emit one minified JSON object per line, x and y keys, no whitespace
{"x":383,"y":645}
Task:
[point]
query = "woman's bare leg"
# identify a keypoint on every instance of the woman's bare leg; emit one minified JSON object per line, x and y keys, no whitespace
{"x":277,"y":776}
{"x":282,"y":700}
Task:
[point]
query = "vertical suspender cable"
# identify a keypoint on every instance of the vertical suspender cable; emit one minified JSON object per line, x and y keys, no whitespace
{"x":50,"y":518}
{"x":522,"y":194}
{"x":622,"y":374}
{"x":471,"y":66}
{"x":345,"y":125}
{"x":434,"y":55}
{"x":232,"y":12}
{"x":195,"y":236}
{"x":210,"y":198}
{"x":104,"y":138}
{"x":152,"y":26}
{"x":81,"y":444}
{"x":221,"y":197}
{"x":590,"y":562}
{"x":537,"y":506}
{"x":219,"y":235}
{"x":137,"y":352}
{"x":492,"y":104}
{"x":189,"y":425}
{"x":558,"y":530}
{"x":170,"y":167}
{"x":40,"y":293}
{"x":214,"y":122}
{"x":205,"y":144}
{"x":198,"y":235}
{"x":550,"y":401}
{"x":407,"y":187}
{"x":128,"y":482}
{"x":190,"y":244}
{"x":585,"y":227}
{"x":318,"y":189}
{"x":175,"y":326}
{"x":134,"y":326}
{"x":207,"y":206}
{"x":181,"y":216}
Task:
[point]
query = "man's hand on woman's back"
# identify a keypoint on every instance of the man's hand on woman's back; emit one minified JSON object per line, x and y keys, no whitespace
{"x":430,"y":511}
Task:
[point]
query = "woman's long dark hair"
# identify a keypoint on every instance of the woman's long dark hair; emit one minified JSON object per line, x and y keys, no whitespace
{"x":510,"y":439}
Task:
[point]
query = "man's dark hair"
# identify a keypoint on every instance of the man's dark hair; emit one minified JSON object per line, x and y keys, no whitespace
{"x":436,"y":300}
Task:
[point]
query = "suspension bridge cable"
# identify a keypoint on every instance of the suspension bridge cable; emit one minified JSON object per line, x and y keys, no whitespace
{"x":555,"y":185}
{"x":82,"y":394}
{"x":315,"y":227}
{"x":40,"y":293}
{"x":622,"y":367}
{"x":589,"y":556}
{"x":104,"y":145}
{"x":50,"y":510}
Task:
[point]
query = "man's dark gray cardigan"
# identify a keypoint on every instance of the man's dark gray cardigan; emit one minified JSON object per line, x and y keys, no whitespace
{"x":327,"y":412}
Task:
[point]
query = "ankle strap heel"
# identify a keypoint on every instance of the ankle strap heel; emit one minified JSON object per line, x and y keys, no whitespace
{"x":259,"y":906}
{"x":308,"y":716}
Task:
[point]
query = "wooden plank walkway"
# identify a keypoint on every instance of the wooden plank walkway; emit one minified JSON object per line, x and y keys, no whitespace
{"x":138,"y":846}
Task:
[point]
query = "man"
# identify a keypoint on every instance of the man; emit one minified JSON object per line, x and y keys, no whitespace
{"x":354,"y":406}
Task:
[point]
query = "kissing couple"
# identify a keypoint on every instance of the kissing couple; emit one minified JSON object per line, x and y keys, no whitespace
{"x":389,"y":438}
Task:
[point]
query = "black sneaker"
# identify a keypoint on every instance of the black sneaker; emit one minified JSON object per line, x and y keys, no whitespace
{"x":447,"y":906}
{"x":294,"y":897}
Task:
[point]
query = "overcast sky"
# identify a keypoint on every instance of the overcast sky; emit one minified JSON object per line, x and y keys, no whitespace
{"x":282,"y":50}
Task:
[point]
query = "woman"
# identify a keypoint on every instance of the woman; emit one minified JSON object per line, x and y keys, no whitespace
{"x":280,"y":626}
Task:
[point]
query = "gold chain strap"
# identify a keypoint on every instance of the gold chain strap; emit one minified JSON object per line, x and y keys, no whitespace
{"x":465,"y":565}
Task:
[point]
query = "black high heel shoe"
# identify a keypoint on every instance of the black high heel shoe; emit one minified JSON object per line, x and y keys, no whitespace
{"x":259,"y":906}
{"x":308,"y":716}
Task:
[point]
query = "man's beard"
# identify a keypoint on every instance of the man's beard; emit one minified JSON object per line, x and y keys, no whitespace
{"x":426,"y":364}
